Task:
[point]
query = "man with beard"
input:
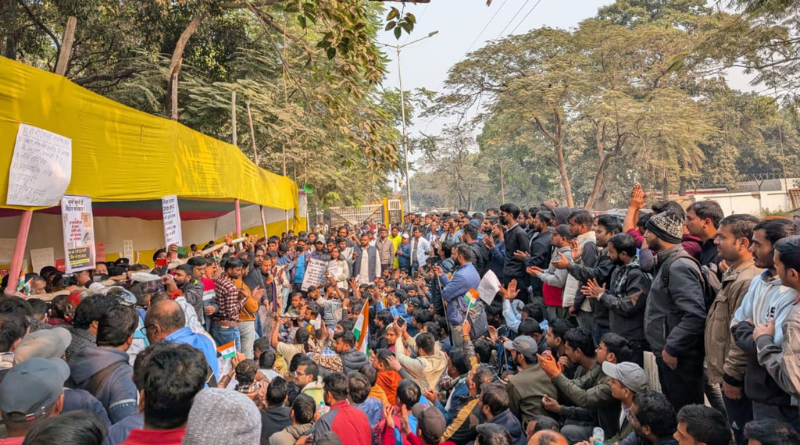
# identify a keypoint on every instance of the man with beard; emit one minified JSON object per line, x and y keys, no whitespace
{"x":516,"y":241}
{"x":676,"y":313}
{"x":725,"y":362}
{"x":767,"y":300}
{"x":626,"y":294}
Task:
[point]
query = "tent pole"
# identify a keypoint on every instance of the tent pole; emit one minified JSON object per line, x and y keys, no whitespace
{"x":238,"y":218}
{"x":19,"y":251}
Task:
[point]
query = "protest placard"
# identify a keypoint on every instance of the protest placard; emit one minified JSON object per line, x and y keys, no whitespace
{"x":41,"y":167}
{"x":42,"y":257}
{"x":78,"y":226}
{"x":172,"y":221}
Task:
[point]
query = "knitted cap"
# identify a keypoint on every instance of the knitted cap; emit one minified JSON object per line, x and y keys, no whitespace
{"x":667,"y":226}
{"x":223,"y":416}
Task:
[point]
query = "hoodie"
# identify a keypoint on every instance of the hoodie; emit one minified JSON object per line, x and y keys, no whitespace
{"x":765,"y":298}
{"x":290,"y":434}
{"x":510,"y":423}
{"x":116,"y":392}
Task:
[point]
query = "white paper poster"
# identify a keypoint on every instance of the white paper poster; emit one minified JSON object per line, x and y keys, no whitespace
{"x":127,"y":249}
{"x":42,"y":257}
{"x":7,"y":249}
{"x":315,"y":274}
{"x":172,"y":221}
{"x":488,"y":287}
{"x":78,"y":225}
{"x":41,"y":167}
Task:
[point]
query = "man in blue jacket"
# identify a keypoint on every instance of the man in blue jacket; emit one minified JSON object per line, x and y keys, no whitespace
{"x":166,"y":321}
{"x":453,"y":290}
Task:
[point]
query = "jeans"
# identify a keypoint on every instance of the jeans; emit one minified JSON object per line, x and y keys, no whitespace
{"x":598,"y":332}
{"x":227,"y":335}
{"x":585,"y":319}
{"x":247,"y":333}
{"x":683,"y":385}
{"x":739,"y":413}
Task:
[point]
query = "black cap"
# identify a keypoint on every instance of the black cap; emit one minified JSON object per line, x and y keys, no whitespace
{"x":561,"y":229}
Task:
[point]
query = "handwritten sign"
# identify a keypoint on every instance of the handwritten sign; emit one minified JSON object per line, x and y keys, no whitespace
{"x":42,"y":257}
{"x":7,"y":249}
{"x":315,"y":273}
{"x":41,"y":167}
{"x":100,"y":252}
{"x":172,"y":221}
{"x":78,"y":226}
{"x":127,"y":249}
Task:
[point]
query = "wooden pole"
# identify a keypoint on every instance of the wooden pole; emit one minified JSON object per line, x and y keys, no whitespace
{"x":255,"y":158}
{"x":66,"y":46}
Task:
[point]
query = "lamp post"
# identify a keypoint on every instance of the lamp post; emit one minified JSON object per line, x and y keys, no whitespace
{"x":398,"y":48}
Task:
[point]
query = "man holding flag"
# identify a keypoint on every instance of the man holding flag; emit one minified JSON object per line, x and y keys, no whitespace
{"x":455,"y":289}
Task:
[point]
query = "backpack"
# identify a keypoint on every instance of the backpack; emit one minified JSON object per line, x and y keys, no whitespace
{"x":708,"y":278}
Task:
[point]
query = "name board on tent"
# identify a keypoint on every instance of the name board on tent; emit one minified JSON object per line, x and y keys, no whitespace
{"x":41,"y":167}
{"x":42,"y":257}
{"x":172,"y":221}
{"x":78,"y":226}
{"x":315,"y":273}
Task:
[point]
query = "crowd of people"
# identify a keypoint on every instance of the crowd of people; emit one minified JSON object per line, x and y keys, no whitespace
{"x":394,"y":348}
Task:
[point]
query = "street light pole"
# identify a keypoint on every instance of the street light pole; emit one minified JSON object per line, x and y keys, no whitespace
{"x":403,"y":111}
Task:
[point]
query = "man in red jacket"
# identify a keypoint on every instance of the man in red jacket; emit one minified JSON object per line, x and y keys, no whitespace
{"x":343,"y":419}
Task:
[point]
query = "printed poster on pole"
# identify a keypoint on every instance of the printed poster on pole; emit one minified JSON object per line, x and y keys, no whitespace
{"x":78,"y":226}
{"x":172,"y":221}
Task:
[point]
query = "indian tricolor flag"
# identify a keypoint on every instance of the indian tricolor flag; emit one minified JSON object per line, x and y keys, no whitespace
{"x":361,"y":330}
{"x":24,"y":286}
{"x":228,"y":350}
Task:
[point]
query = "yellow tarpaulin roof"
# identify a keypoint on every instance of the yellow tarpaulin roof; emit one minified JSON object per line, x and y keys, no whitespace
{"x":121,"y":154}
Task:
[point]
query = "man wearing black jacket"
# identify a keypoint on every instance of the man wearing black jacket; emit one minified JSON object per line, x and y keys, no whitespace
{"x":480,"y":253}
{"x":516,"y":240}
{"x":540,"y":251}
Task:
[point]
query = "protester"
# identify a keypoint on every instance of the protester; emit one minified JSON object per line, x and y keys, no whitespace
{"x":527,"y":388}
{"x":702,"y":424}
{"x":342,"y":419}
{"x":516,"y":241}
{"x":30,"y":393}
{"x":767,"y":301}
{"x":230,"y":299}
{"x":103,"y":370}
{"x":277,"y":416}
{"x":302,"y":423}
{"x":676,"y":313}
{"x":770,"y":432}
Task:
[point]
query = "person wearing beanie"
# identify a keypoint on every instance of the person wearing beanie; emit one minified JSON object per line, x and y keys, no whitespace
{"x":221,"y":416}
{"x":675,"y":316}
{"x":173,"y":376}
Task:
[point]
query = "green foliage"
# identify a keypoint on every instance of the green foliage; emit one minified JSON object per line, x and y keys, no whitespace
{"x":310,"y":70}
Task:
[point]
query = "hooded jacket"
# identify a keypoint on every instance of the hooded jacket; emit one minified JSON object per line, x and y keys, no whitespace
{"x":765,"y":298}
{"x":510,"y":423}
{"x":117,"y":391}
{"x":626,"y":299}
{"x":515,"y":239}
{"x":588,"y":244}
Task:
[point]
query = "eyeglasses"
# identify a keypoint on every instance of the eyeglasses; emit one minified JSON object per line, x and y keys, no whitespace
{"x":145,"y":328}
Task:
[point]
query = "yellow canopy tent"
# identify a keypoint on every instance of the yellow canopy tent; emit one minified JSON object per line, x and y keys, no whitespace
{"x":120,"y":154}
